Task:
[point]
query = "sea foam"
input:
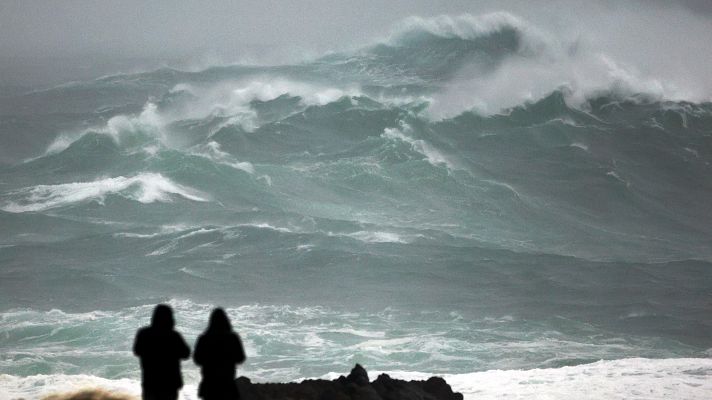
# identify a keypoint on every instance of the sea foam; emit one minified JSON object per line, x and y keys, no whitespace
{"x":633,"y":378}
{"x":144,"y":188}
{"x":431,"y":154}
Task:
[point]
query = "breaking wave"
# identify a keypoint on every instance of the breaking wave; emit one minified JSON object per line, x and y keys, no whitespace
{"x":144,"y":188}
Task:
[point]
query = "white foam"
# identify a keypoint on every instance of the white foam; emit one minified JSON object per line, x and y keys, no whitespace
{"x":270,"y":89}
{"x":137,"y":235}
{"x":149,"y":122}
{"x":233,"y":98}
{"x":618,"y":379}
{"x":467,"y":26}
{"x":377,"y":237}
{"x":173,"y":243}
{"x":504,"y":185}
{"x":212,"y":151}
{"x":692,"y":151}
{"x":360,"y":332}
{"x":144,"y":188}
{"x":163,"y":249}
{"x":38,"y":386}
{"x":266,"y":178}
{"x":617,"y":177}
{"x":264,"y":225}
{"x":196,"y":232}
{"x":633,"y":378}
{"x":386,"y":346}
{"x":431,"y":154}
{"x":59,"y":144}
{"x":545,"y":62}
{"x":579,"y":146}
{"x":165,"y":230}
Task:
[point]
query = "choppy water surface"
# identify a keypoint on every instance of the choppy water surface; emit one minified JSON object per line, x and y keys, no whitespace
{"x":343,"y":212}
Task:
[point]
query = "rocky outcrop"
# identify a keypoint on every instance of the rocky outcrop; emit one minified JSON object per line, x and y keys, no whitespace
{"x":355,"y":386}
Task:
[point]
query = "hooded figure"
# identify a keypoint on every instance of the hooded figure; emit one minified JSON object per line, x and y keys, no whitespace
{"x":217,"y":352}
{"x":160,"y":349}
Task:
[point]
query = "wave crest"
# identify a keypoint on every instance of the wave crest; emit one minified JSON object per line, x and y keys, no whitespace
{"x":144,"y":188}
{"x":464,"y":26}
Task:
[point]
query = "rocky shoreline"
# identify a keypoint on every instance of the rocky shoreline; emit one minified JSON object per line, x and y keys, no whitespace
{"x":355,"y":386}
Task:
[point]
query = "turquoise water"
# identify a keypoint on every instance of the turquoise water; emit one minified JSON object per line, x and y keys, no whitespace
{"x":341,"y":218}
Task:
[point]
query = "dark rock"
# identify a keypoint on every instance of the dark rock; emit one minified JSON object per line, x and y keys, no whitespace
{"x":355,"y":386}
{"x":331,"y":394}
{"x":395,"y":389}
{"x":358,"y":376}
{"x":437,"y":387}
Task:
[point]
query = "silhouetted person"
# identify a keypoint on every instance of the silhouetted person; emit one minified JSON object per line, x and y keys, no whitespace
{"x":160,"y":349}
{"x":217,"y":352}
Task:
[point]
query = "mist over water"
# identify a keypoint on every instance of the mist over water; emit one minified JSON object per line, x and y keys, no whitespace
{"x":474,"y":196}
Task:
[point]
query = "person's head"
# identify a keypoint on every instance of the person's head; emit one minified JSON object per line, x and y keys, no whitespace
{"x":162,"y":317}
{"x":219,"y":321}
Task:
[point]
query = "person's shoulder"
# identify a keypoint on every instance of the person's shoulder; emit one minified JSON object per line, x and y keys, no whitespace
{"x":176,"y":335}
{"x":143,"y":337}
{"x":144,"y":330}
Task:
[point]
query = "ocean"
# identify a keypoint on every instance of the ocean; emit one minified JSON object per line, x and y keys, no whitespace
{"x":412,"y":205}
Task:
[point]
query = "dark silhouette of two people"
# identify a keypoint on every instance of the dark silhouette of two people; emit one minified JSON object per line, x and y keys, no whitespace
{"x":160,"y":350}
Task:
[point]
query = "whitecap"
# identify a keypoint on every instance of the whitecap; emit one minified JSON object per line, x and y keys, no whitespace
{"x":264,"y":225}
{"x":148,"y":122}
{"x":213,"y":152}
{"x":431,"y":154}
{"x":617,"y":177}
{"x":377,"y":237}
{"x":144,"y":188}
{"x":579,"y":145}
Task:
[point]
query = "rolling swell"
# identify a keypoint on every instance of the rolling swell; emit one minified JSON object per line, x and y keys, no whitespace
{"x":584,"y":178}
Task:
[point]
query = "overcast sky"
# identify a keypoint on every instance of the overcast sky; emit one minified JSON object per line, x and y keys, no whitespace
{"x":99,"y":35}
